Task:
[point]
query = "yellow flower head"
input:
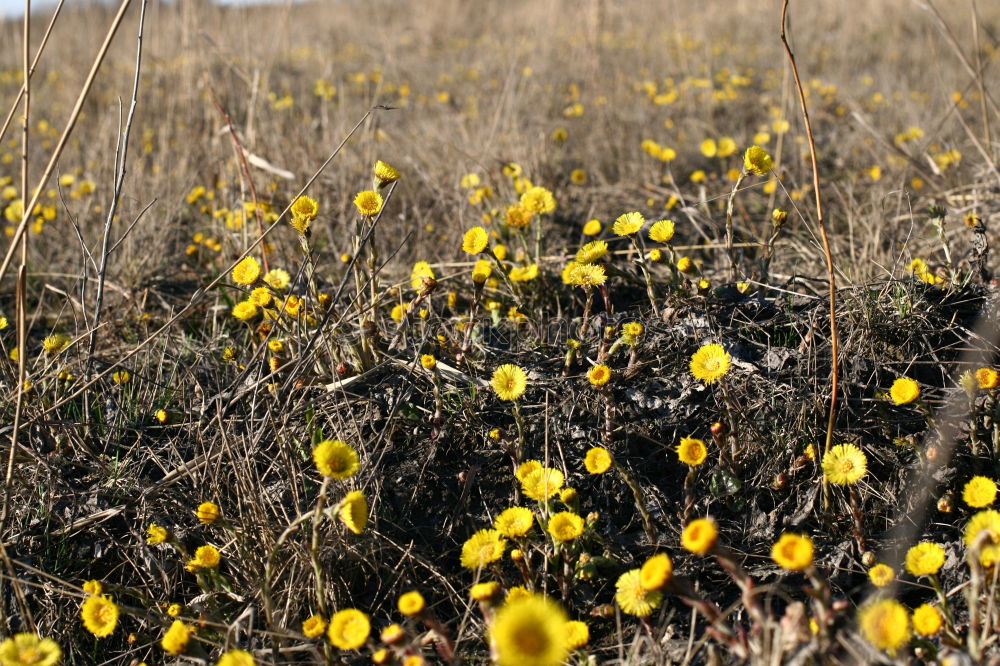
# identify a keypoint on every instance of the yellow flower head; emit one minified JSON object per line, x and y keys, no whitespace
{"x":368,"y":203}
{"x":428,"y":361}
{"x":481,"y":271}
{"x":577,"y":634}
{"x":881,"y":575}
{"x":523,"y":273}
{"x":385,"y":174}
{"x":633,"y":328}
{"x":475,"y":240}
{"x":336,"y":459}
{"x":685,"y":265}
{"x":236,"y":658}
{"x":246,"y":272}
{"x":205,"y":557}
{"x":924,"y":559}
{"x":927,"y":620}
{"x":756,"y":161}
{"x":314,"y":626}
{"x":29,"y":650}
{"x":662,"y":231}
{"x":844,"y":464}
{"x":245,"y":310}
{"x":526,"y":468}
{"x":565,"y":526}
{"x":411,"y":603}
{"x":885,"y":624}
{"x":592,"y":228}
{"x":54,"y":344}
{"x":987,"y":378}
{"x":530,"y":631}
{"x":633,"y":598}
{"x":176,"y":638}
{"x":709,"y":148}
{"x":542,"y":483}
{"x":207,"y":513}
{"x":538,"y":200}
{"x":597,"y":460}
{"x":985,"y":521}
{"x":509,"y":381}
{"x":93,"y":588}
{"x":261,"y":296}
{"x":585,"y":275}
{"x":421,"y":272}
{"x":628,"y":223}
{"x":599,"y":375}
{"x":484,"y":591}
{"x":349,"y":629}
{"x":481,"y":548}
{"x":692,"y":451}
{"x":979,"y":492}
{"x":514,"y":522}
{"x":904,"y":391}
{"x":591,"y":252}
{"x":278,"y":279}
{"x":156,"y":535}
{"x":353,"y":511}
{"x":709,"y":363}
{"x":100,"y":615}
{"x":517,"y":216}
{"x":699,"y":536}
{"x":656,"y":571}
{"x":305,"y":208}
{"x":793,"y":552}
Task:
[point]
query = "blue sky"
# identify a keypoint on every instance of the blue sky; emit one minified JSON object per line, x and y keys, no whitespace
{"x":10,"y":8}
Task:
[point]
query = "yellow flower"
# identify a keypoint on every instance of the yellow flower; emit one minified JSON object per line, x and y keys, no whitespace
{"x":881,"y":575}
{"x":793,"y":552}
{"x":628,"y":223}
{"x":336,"y":459}
{"x":709,"y":363}
{"x":591,"y":252}
{"x":428,"y":361}
{"x":984,"y":521}
{"x":523,"y":274}
{"x":305,"y":208}
{"x":924,"y":559}
{"x":261,"y":296}
{"x":421,"y":273}
{"x":484,"y":591}
{"x":633,"y":328}
{"x":844,"y":464}
{"x":691,"y":451}
{"x":176,"y":638}
{"x":54,"y":344}
{"x":727,"y":147}
{"x":245,"y":310}
{"x":278,"y":279}
{"x":662,"y":231}
{"x":633,"y":598}
{"x":592,"y":228}
{"x":904,"y":391}
{"x":236,"y":658}
{"x":368,"y":203}
{"x":538,"y":200}
{"x":699,"y":536}
{"x":100,"y":615}
{"x":927,"y":620}
{"x":246,"y":272}
{"x":514,"y":522}
{"x":885,"y":624}
{"x":500,"y":252}
{"x":542,"y":483}
{"x":173,"y":610}
{"x":685,"y":265}
{"x":526,"y":468}
{"x":577,"y":634}
{"x":988,"y":378}
{"x":509,"y":381}
{"x":392,"y":634}
{"x":756,"y":161}
{"x":349,"y":629}
{"x":385,"y":174}
{"x":314,"y":626}
{"x":29,"y":650}
{"x":411,"y":603}
{"x":475,"y":240}
{"x":206,"y":557}
{"x":156,"y":535}
{"x":656,"y":571}
{"x":481,"y":548}
{"x":578,"y":176}
{"x":93,"y":588}
{"x":599,"y":375}
{"x":517,"y":216}
{"x":979,"y":492}
{"x":530,"y":631}
{"x":597,"y":460}
{"x":481,"y":271}
{"x":709,"y":148}
{"x":207,"y":513}
{"x":353,"y":511}
{"x":585,"y":275}
{"x":565,"y":526}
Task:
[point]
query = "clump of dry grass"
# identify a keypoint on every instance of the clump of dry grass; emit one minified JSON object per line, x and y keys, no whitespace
{"x":191,"y":395}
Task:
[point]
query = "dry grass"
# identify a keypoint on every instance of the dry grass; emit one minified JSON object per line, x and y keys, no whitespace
{"x":453,"y":88}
